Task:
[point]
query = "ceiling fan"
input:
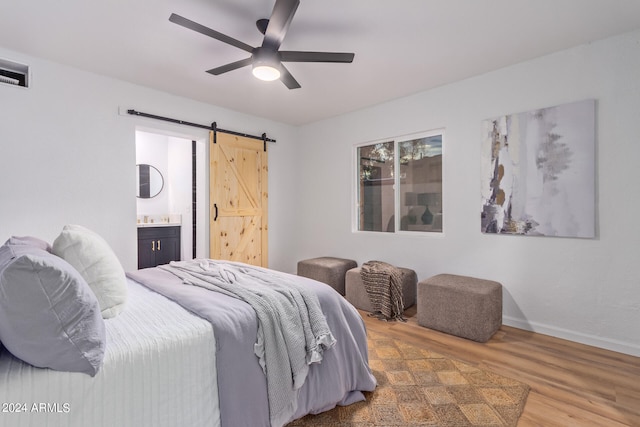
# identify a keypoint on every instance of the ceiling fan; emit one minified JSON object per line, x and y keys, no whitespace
{"x":267,"y":59}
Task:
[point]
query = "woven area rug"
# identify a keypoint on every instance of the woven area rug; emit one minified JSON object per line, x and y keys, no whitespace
{"x":418,"y":387}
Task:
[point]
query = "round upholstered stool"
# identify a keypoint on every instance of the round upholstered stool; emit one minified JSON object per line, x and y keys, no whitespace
{"x":463,"y":306}
{"x":327,"y":270}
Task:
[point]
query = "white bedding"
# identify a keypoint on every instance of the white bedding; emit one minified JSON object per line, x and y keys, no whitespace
{"x":159,"y":370}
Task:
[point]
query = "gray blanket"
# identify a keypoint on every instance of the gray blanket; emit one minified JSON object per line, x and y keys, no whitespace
{"x":383,"y":283}
{"x":338,"y":380}
{"x":292,"y":330}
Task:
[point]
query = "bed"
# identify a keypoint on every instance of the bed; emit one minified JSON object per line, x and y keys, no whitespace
{"x":158,"y":370}
{"x":165,"y":365}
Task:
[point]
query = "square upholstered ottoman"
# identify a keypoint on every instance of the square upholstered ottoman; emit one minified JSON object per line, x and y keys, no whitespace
{"x":459,"y":305}
{"x":327,"y":270}
{"x":357,"y":295}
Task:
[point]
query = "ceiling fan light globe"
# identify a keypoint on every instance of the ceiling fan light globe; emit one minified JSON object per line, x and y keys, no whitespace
{"x":266,"y":73}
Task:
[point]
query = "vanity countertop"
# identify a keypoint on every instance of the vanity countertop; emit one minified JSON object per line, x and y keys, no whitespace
{"x":159,"y":224}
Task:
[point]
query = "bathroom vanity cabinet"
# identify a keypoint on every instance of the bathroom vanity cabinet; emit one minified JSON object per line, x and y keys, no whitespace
{"x":158,"y":245}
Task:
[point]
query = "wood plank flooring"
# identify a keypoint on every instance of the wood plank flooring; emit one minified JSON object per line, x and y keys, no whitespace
{"x":571,"y":384}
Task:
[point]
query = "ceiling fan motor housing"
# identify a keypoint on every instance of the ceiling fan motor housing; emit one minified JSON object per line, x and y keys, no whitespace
{"x":265,"y":56}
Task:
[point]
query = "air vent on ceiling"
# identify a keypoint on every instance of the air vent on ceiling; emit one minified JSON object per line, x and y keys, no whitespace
{"x":13,"y":73}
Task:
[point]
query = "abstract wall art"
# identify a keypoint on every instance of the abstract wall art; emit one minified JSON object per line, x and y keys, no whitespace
{"x":538,"y":172}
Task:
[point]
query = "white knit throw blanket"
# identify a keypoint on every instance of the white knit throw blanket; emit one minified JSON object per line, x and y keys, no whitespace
{"x":383,"y":283}
{"x":292,"y":330}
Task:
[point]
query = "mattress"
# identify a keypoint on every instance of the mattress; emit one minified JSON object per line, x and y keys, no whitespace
{"x":159,"y":370}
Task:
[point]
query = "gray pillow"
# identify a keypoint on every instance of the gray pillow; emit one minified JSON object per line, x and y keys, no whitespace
{"x":31,"y":241}
{"x":49,"y":317}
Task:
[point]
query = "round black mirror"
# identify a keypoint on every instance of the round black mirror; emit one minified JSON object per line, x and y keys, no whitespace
{"x":149,"y":180}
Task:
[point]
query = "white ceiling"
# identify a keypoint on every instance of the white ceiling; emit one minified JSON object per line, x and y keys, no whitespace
{"x":401,"y":47}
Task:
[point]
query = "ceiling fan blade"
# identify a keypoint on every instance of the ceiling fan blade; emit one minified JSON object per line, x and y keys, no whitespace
{"x":230,"y":67}
{"x":287,"y":78}
{"x":279,"y":22}
{"x":187,"y":23}
{"x":295,"y":56}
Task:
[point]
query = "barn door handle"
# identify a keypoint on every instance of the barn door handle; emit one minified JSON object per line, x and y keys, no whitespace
{"x":153,"y":245}
{"x":215,"y":207}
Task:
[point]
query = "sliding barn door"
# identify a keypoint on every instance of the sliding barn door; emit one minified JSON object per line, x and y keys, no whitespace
{"x":238,"y":198}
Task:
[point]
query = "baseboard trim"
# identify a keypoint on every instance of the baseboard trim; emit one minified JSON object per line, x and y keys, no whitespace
{"x":606,"y":343}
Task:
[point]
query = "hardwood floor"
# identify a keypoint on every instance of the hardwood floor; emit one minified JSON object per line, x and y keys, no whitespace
{"x":571,"y":384}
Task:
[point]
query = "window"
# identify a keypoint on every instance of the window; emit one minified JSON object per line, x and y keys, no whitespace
{"x":413,"y":166}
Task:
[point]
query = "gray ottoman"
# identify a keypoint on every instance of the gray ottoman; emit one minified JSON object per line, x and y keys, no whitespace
{"x":357,"y":295}
{"x":459,"y":305}
{"x":328,"y":270}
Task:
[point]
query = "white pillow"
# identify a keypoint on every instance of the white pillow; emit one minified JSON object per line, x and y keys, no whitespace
{"x":91,"y":255}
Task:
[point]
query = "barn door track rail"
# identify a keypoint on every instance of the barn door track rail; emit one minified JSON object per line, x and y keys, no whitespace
{"x":213,"y":127}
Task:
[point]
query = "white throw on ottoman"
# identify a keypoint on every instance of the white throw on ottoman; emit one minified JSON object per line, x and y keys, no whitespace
{"x":459,"y":305}
{"x":327,"y":270}
{"x":357,"y":295}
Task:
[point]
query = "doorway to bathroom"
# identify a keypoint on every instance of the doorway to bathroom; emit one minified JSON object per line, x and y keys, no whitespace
{"x":172,"y":199}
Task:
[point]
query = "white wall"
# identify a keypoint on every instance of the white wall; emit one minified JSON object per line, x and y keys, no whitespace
{"x":67,"y":155}
{"x":153,"y":149}
{"x":587,"y":290}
